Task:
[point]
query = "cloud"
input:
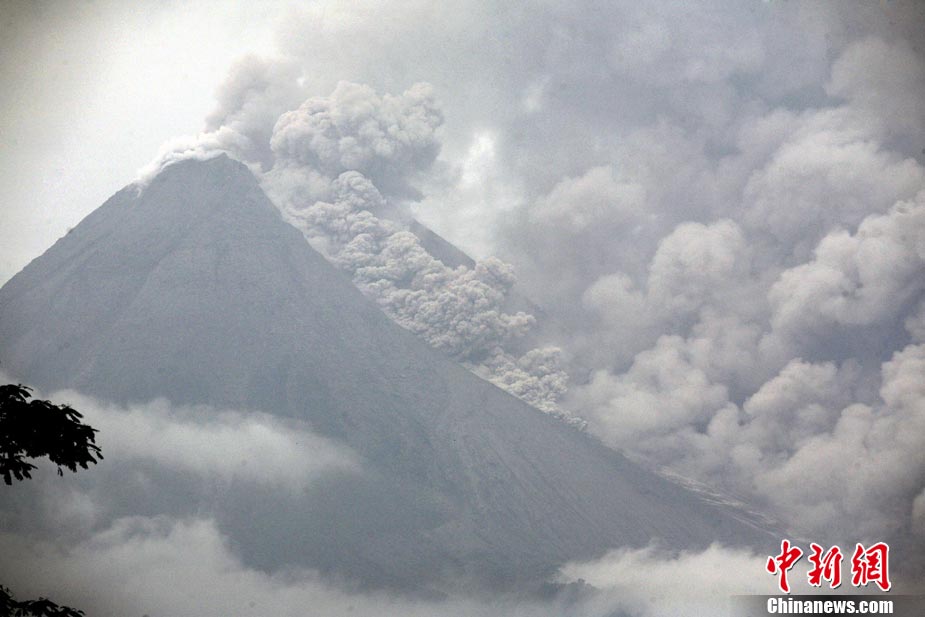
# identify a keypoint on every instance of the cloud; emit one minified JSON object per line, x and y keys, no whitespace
{"x":749,"y":312}
{"x":782,"y":430}
{"x":915,"y":323}
{"x":646,"y":581}
{"x":167,"y":566}
{"x":682,"y":46}
{"x":164,"y":566}
{"x":694,"y":263}
{"x":661,"y":393}
{"x":800,"y":402}
{"x":186,"y":565}
{"x":210,"y":443}
{"x":623,"y":324}
{"x":697,"y":276}
{"x":918,"y":514}
{"x":836,"y":468}
{"x":885,"y":81}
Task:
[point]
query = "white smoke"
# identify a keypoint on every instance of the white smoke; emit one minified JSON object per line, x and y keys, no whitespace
{"x":457,"y":310}
{"x":201,"y":147}
{"x":253,"y":95}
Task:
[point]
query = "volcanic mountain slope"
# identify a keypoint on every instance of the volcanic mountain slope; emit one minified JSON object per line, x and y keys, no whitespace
{"x":197,"y":291}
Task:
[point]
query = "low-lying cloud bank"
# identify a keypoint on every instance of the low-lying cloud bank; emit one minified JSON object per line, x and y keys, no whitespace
{"x":77,"y":540}
{"x":168,"y":460}
{"x":185,"y":567}
{"x":216,"y":445}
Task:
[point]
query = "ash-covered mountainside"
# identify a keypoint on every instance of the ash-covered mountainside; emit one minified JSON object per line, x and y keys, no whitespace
{"x":196,"y":290}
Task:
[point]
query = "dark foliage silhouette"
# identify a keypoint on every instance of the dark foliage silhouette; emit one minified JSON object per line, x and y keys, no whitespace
{"x":32,"y":429}
{"x":42,"y":607}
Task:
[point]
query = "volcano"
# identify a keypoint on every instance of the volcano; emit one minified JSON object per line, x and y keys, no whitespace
{"x":194,"y":289}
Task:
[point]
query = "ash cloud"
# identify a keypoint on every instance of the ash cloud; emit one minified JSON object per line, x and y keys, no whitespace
{"x":870,"y":277}
{"x":385,"y":138}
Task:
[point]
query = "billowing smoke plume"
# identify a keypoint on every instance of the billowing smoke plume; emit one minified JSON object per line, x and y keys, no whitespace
{"x":536,"y":377}
{"x":457,"y":310}
{"x":388,"y":138}
{"x":339,"y":160}
{"x":868,"y":278}
{"x":768,"y":343}
{"x":777,"y":382}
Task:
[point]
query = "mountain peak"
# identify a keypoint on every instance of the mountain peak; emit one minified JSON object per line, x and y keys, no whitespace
{"x":196,"y":290}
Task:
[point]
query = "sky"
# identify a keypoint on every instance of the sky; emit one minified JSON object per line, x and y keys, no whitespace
{"x":90,"y":92}
{"x":700,"y":227}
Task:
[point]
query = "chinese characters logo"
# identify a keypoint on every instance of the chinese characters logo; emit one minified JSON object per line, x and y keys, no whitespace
{"x":868,"y":565}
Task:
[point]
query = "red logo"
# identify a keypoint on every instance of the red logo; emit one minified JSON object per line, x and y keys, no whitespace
{"x":869,"y":565}
{"x":825,"y":566}
{"x":783,"y":562}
